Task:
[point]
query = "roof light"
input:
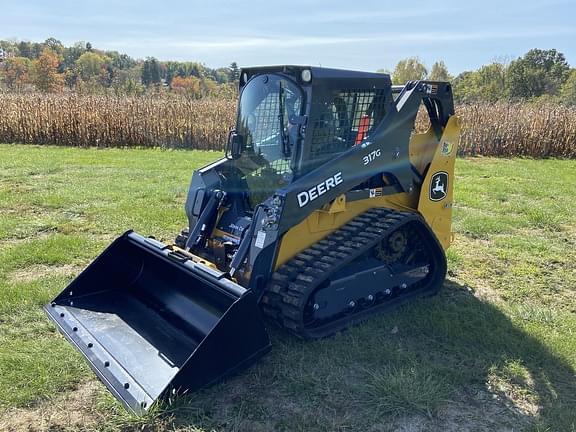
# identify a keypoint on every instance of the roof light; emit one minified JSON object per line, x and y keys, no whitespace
{"x":306,"y":75}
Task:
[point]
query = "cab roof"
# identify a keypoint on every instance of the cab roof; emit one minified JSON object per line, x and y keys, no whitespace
{"x":317,"y":72}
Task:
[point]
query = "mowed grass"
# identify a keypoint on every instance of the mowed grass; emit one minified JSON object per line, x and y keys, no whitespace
{"x":495,"y":350}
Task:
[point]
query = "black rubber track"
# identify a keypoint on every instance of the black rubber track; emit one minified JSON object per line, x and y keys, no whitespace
{"x":288,"y":292}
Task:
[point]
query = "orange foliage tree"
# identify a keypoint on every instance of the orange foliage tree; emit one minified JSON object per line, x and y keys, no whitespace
{"x":189,"y":86}
{"x":46,"y":77}
{"x":16,"y":72}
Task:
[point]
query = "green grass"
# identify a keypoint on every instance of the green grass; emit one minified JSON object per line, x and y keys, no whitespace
{"x":494,"y":350}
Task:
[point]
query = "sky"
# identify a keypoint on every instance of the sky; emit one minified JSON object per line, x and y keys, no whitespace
{"x":360,"y":34}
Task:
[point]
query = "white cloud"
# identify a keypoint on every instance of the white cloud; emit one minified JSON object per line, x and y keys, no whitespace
{"x":367,"y":15}
{"x":208,"y":45}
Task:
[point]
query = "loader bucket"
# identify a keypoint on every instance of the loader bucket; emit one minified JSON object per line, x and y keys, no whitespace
{"x":151,"y":323}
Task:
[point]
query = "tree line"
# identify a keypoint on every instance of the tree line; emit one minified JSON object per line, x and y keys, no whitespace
{"x":51,"y":67}
{"x":538,"y":75}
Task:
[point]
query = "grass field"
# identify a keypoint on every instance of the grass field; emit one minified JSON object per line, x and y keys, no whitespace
{"x":495,"y":350}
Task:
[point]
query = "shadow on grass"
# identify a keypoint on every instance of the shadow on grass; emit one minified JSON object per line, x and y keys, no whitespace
{"x":452,"y":362}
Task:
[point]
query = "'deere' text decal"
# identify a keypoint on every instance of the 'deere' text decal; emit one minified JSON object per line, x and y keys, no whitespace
{"x":320,"y":189}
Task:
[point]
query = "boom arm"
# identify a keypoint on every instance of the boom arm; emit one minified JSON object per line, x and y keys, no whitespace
{"x":385,"y":151}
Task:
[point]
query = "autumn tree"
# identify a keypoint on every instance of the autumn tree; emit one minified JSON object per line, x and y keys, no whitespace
{"x":45,"y":72}
{"x":208,"y":87}
{"x":188,"y":86}
{"x":568,"y":91}
{"x":73,"y":53}
{"x":537,"y":73}
{"x":221,"y":75}
{"x":16,"y":72}
{"x":409,"y":69}
{"x":439,"y":72}
{"x":127,"y":82}
{"x":54,"y":45}
{"x":25,"y":49}
{"x":90,"y":64}
{"x":227,"y":91}
{"x":234,"y":71}
{"x":121,"y":61}
{"x":151,"y":72}
{"x":487,"y":83}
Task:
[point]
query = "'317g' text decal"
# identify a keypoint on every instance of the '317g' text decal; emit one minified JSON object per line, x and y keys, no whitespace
{"x":370,"y":157}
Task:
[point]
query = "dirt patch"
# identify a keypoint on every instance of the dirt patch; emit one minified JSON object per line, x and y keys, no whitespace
{"x":515,"y":395}
{"x":16,"y":241}
{"x":71,"y":411}
{"x":32,"y":273}
{"x":482,"y":411}
{"x":481,"y":290}
{"x":485,"y":292}
{"x":479,"y":411}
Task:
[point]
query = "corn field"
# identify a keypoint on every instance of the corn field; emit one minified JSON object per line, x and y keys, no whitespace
{"x":501,"y":129}
{"x":108,"y":121}
{"x":518,"y":129}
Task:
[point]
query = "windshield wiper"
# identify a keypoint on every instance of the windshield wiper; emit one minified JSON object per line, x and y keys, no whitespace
{"x":283,"y":136}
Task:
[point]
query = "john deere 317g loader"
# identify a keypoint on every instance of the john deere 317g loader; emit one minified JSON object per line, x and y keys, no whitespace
{"x":327,"y":208}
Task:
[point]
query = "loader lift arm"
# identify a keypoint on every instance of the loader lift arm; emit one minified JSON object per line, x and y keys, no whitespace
{"x":390,"y":141}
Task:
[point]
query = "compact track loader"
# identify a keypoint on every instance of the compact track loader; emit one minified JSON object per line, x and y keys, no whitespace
{"x":327,"y":207}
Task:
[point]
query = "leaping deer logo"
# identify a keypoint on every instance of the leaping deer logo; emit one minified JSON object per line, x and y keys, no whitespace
{"x":439,"y":186}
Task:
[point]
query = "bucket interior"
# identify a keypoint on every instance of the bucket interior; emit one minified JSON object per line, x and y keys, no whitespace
{"x":138,"y":316}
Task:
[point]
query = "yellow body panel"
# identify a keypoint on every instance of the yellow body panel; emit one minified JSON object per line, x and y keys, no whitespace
{"x":425,"y":150}
{"x":422,"y":148}
{"x":322,"y":222}
{"x":438,"y":214}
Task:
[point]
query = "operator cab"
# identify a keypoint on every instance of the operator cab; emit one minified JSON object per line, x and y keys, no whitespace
{"x":292,"y":119}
